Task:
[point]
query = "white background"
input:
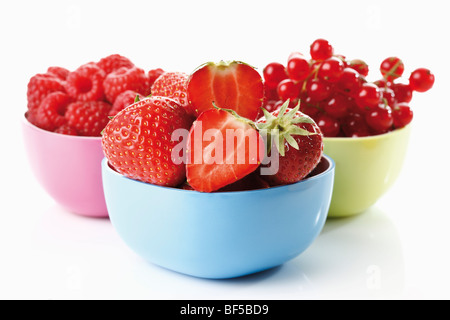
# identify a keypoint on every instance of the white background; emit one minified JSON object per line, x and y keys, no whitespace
{"x":399,"y":249}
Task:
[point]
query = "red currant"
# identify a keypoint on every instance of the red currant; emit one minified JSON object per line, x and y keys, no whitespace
{"x":360,"y":66}
{"x":368,"y":96}
{"x":297,"y":67}
{"x":382,"y":83}
{"x":288,"y":89}
{"x":421,"y":80}
{"x":380,"y":118}
{"x":337,"y":106}
{"x":388,"y":95}
{"x":403,"y":92}
{"x":392,"y":68}
{"x":355,"y":126}
{"x":321,"y":50}
{"x":402,"y":115}
{"x":274,"y":73}
{"x":350,"y":82}
{"x":331,"y":69}
{"x":328,"y":125}
{"x":318,"y":90}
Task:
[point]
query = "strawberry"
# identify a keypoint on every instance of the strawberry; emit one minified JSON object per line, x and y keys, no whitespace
{"x":235,"y":151}
{"x":138,"y":141}
{"x":172,"y":85}
{"x":299,"y":143}
{"x":233,"y":85}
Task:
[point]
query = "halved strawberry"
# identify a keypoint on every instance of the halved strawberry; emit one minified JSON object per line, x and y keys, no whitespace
{"x":231,"y":85}
{"x":222,"y":148}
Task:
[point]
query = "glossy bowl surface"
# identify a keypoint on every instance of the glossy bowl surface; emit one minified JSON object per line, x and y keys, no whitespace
{"x":68,"y":168}
{"x":222,"y":234}
{"x":365,"y":169}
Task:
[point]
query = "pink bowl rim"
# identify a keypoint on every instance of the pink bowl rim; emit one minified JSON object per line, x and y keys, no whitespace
{"x":29,"y":124}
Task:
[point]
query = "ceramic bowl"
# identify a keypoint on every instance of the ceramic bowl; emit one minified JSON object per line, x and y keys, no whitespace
{"x":366,"y":168}
{"x":222,"y":234}
{"x":68,"y":168}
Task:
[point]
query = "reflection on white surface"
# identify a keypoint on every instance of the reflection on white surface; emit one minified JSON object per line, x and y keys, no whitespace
{"x":78,"y":257}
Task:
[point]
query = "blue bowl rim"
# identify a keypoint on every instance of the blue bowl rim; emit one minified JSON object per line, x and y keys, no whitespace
{"x":173,"y":189}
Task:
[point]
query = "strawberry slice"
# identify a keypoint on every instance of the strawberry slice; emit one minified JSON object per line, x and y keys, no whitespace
{"x":232,"y":85}
{"x":222,"y":148}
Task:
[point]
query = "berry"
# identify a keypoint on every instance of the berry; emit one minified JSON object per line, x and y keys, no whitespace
{"x":321,"y":50}
{"x":421,"y":80}
{"x":114,"y":62}
{"x":274,"y":73}
{"x":88,"y":117}
{"x":297,"y":67}
{"x":231,"y":85}
{"x":380,"y":118}
{"x":354,"y":126}
{"x":153,"y":75}
{"x":41,"y":85}
{"x":173,"y":85}
{"x":331,"y":69}
{"x":67,"y":130}
{"x":138,"y":141}
{"x":124,"y":100}
{"x":392,"y":68}
{"x":337,"y":106}
{"x":50,"y":114}
{"x":58,"y":72}
{"x":288,"y":89}
{"x":318,"y":90}
{"x":86,"y":83}
{"x":350,"y":82}
{"x":368,"y":96}
{"x":300,"y":143}
{"x":388,"y":96}
{"x":402,"y":92}
{"x":402,"y":115}
{"x":328,"y":125}
{"x":360,"y":66}
{"x":124,"y":79}
{"x":214,"y":165}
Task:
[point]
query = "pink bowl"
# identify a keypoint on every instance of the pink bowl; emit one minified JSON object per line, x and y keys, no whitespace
{"x":68,"y":168}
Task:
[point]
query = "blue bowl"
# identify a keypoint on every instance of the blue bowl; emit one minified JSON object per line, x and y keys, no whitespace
{"x":223,"y":234}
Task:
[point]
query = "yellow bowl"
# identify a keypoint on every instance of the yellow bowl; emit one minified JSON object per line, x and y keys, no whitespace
{"x":365,"y":169}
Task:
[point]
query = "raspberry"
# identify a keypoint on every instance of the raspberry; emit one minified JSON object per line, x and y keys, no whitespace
{"x":153,"y":75}
{"x":67,"y":130}
{"x":41,"y":85}
{"x":88,"y":117}
{"x":113,"y":62}
{"x":172,"y":85}
{"x":125,"y":79}
{"x":50,"y":113}
{"x":86,"y":83}
{"x":123,"y":100}
{"x":58,"y":72}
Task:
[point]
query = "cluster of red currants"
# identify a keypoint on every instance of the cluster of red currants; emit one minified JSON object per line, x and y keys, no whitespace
{"x":335,"y":92}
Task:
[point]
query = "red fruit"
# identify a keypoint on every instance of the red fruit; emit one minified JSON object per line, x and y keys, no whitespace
{"x":173,"y":85}
{"x":331,"y":69}
{"x":124,"y":79}
{"x":253,"y":181}
{"x":328,"y":125}
{"x":402,"y":92}
{"x":88,"y":117}
{"x":138,"y":141}
{"x":350,"y":82}
{"x":402,"y":115}
{"x":153,"y":75}
{"x":50,"y":114}
{"x":39,"y":86}
{"x":274,"y":73}
{"x":58,"y":72}
{"x":299,"y":143}
{"x":86,"y":83}
{"x":124,"y":100}
{"x":337,"y":106}
{"x":236,"y":150}
{"x":114,"y":62}
{"x":392,"y":68}
{"x":380,"y":118}
{"x":232,"y":85}
{"x":297,"y":67}
{"x":360,"y":66}
{"x":270,"y":93}
{"x":388,"y":95}
{"x":321,"y":50}
{"x":67,"y":130}
{"x":318,"y":90}
{"x":421,"y":80}
{"x":288,"y":89}
{"x":354,"y":126}
{"x":368,"y":96}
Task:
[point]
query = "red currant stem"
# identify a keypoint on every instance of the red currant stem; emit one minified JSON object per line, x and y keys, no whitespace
{"x":391,"y":72}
